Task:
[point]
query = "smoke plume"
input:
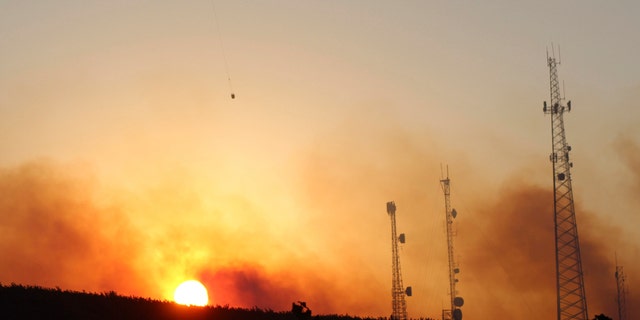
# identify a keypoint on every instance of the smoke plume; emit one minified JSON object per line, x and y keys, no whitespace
{"x":52,"y":233}
{"x":509,"y":257}
{"x":324,"y":241}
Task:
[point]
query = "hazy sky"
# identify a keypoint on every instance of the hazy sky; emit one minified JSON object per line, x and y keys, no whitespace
{"x":125,"y":165}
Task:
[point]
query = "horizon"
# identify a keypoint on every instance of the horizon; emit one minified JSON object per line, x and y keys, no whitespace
{"x":127,"y":165}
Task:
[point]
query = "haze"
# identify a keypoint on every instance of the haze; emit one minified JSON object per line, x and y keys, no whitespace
{"x":125,"y":165}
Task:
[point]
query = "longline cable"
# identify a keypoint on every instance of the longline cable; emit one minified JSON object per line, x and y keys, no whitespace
{"x":224,"y":55}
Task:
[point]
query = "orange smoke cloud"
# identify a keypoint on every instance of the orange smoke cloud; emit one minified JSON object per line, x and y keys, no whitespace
{"x":629,"y":152}
{"x":249,"y":286}
{"x":508,"y":256}
{"x":53,"y":234}
{"x":509,"y":259}
{"x":58,"y":230}
{"x":329,"y":246}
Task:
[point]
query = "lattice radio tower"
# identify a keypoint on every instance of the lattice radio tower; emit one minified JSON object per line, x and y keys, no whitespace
{"x":572,"y":302}
{"x":398,"y":303}
{"x":454,"y":313}
{"x":622,"y":293}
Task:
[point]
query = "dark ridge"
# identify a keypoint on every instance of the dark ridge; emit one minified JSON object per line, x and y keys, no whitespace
{"x":33,"y":302}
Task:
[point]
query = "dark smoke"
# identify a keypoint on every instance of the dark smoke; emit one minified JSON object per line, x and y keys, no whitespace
{"x":628,"y":149}
{"x":509,"y":256}
{"x":53,"y":234}
{"x":249,"y":286}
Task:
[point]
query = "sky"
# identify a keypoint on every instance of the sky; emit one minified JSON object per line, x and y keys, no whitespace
{"x":125,"y":165}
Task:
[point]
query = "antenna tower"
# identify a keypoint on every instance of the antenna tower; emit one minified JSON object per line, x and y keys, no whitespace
{"x":398,"y":303}
{"x":454,"y":313}
{"x":571,"y":298}
{"x":622,"y":294}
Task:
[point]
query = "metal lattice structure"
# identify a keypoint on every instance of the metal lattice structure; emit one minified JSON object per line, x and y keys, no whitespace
{"x":454,"y":313}
{"x":398,"y":303}
{"x":571,"y":298}
{"x":622,"y":293}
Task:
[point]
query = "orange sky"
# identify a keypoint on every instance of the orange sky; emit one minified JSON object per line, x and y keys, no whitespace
{"x":126,"y":166}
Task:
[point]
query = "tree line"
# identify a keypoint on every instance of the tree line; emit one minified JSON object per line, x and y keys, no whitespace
{"x":34,"y":302}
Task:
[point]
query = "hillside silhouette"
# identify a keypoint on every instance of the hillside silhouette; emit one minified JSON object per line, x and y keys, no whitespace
{"x":33,"y":302}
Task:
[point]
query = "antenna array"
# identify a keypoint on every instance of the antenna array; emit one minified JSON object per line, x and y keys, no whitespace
{"x":571,"y":298}
{"x":622,"y":293}
{"x":398,"y":303}
{"x":454,"y":313}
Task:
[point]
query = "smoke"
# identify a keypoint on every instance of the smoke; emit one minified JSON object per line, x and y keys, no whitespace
{"x":59,"y":229}
{"x":250,"y":285}
{"x":323,"y":240}
{"x":509,"y":260}
{"x":628,"y":254}
{"x":345,"y":178}
{"x":53,"y":234}
{"x":505,"y":236}
{"x":629,"y":151}
{"x":507,"y":252}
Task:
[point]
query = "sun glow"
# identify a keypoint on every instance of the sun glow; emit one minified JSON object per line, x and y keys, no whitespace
{"x":191,"y":293}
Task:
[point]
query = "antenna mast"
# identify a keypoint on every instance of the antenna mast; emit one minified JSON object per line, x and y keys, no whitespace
{"x":398,"y":303}
{"x":571,"y":298}
{"x":454,"y":313}
{"x":622,"y":294}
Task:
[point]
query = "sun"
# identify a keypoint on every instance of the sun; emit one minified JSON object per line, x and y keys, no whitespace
{"x":191,"y":293}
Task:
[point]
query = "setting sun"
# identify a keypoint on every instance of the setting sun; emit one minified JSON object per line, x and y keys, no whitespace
{"x":191,"y":293}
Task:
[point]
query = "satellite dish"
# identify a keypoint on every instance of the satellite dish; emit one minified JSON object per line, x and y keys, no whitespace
{"x":408,"y":291}
{"x":402,"y":238}
{"x":458,"y":301}
{"x":454,"y":213}
{"x":457,"y":314}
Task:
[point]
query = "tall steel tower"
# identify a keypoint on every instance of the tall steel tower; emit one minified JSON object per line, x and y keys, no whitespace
{"x":572,"y":302}
{"x":454,"y":313}
{"x":622,"y":294}
{"x":398,"y":303}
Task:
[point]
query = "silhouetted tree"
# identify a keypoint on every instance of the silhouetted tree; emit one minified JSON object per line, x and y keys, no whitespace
{"x":32,"y":302}
{"x":300,"y":310}
{"x":601,"y":317}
